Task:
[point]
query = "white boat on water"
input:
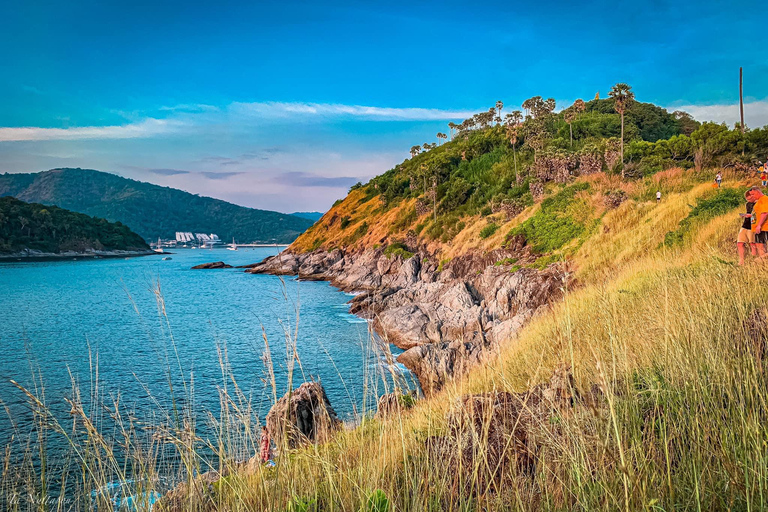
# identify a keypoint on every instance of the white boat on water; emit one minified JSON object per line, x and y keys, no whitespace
{"x":232,"y":247}
{"x":159,"y":248}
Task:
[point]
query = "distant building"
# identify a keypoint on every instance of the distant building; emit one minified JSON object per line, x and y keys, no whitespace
{"x":184,"y":236}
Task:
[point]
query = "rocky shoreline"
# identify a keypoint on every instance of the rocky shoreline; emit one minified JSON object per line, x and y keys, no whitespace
{"x":448,"y":318}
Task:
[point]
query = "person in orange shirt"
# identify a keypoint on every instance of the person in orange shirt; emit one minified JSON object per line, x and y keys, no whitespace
{"x":759,"y":217}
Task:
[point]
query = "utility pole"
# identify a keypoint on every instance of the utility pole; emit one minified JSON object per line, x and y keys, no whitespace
{"x":741,"y":97}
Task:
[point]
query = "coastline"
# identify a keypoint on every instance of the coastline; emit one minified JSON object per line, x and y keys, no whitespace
{"x":29,"y":255}
{"x":447,"y":320}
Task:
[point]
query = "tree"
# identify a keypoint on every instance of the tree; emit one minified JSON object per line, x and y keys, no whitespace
{"x":441,"y":136}
{"x":415,"y":150}
{"x":513,"y":121}
{"x":622,"y":96}
{"x":499,"y":106}
{"x":452,"y":126}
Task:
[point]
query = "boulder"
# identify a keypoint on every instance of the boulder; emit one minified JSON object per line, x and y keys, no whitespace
{"x":494,"y":437}
{"x":303,"y":416}
{"x":392,"y":403}
{"x":215,"y":264}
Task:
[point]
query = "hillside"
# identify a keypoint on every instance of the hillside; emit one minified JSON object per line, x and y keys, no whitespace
{"x":50,"y":229}
{"x":492,"y":171}
{"x":578,"y":345}
{"x":150,"y":210}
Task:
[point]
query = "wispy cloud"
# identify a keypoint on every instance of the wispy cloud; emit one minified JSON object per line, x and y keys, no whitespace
{"x":186,"y":117}
{"x":146,"y":128}
{"x":755,"y":113}
{"x":167,"y":172}
{"x":305,"y":179}
{"x":278,"y":109}
{"x":220,"y":175}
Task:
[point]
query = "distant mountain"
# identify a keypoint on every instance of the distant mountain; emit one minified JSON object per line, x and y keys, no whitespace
{"x":51,"y":229}
{"x":313,"y":216}
{"x":150,"y":210}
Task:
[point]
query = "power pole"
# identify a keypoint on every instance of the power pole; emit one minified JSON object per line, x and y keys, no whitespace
{"x":741,"y":97}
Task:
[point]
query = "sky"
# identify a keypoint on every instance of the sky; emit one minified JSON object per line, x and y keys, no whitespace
{"x":285,"y":105}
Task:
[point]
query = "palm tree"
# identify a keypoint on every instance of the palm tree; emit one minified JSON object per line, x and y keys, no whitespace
{"x":623,"y":96}
{"x":499,"y":106}
{"x":441,"y":136}
{"x":452,"y":126}
{"x":513,"y":123}
{"x":415,"y":150}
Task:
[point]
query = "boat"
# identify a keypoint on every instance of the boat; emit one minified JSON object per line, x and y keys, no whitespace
{"x":167,"y":258}
{"x":159,"y":248}
{"x":232,"y":247}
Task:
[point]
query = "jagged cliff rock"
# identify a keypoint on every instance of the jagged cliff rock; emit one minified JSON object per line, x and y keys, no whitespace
{"x":447,"y":320}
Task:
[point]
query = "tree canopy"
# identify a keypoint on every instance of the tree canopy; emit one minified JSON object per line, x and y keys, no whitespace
{"x":52,"y":229}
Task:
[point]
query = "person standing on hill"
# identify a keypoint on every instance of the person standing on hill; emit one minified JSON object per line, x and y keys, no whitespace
{"x":764,"y":175}
{"x":718,"y":178}
{"x":265,"y":446}
{"x":759,"y":216}
{"x":658,"y":196}
{"x":746,"y":237}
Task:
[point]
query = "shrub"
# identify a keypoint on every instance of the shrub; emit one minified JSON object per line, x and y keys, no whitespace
{"x":397,"y":249}
{"x":345,"y":222}
{"x":553,"y":226}
{"x":489,"y":230}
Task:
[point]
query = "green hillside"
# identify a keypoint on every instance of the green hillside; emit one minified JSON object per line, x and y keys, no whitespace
{"x":150,"y":210}
{"x":52,"y":229}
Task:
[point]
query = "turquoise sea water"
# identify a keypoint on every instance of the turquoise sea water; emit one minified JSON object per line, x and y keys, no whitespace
{"x":128,"y":328}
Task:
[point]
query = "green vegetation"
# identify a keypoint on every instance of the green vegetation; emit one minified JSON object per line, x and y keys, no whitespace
{"x":53,"y":229}
{"x":150,"y":210}
{"x":556,"y":223}
{"x":489,"y":230}
{"x":707,"y":208}
{"x":494,"y":163}
{"x":398,"y":249}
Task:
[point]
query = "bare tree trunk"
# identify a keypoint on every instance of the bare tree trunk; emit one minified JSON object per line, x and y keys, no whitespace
{"x":741,"y":97}
{"x":622,"y":144}
{"x":514,"y":155}
{"x":434,"y":197}
{"x":570,"y":127}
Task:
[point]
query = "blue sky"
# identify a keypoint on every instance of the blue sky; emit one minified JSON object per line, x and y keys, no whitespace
{"x":284,"y":105}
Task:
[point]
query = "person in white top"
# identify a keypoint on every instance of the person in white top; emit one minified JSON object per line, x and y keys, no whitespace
{"x":658,"y":196}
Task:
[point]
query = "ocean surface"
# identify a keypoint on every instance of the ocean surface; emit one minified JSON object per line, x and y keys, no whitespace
{"x":151,"y":334}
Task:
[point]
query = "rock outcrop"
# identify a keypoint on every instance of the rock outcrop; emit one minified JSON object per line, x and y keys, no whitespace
{"x":215,"y":264}
{"x":446,"y":319}
{"x":495,"y":436}
{"x":303,"y":416}
{"x":392,"y":403}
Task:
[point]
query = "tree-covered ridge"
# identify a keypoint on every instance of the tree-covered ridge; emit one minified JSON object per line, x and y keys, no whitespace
{"x":151,"y":210}
{"x":497,"y":161}
{"x":52,"y":229}
{"x":498,"y":164}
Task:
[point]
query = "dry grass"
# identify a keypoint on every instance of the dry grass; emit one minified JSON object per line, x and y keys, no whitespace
{"x":670,"y":337}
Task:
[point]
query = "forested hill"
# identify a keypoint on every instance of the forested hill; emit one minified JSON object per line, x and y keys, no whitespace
{"x":503,"y":162}
{"x":150,"y":210}
{"x":51,"y":229}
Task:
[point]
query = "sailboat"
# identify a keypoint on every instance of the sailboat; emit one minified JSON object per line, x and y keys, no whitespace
{"x":159,"y":248}
{"x":232,"y":247}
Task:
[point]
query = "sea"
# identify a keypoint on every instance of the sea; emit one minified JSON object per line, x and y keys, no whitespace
{"x":147,"y":336}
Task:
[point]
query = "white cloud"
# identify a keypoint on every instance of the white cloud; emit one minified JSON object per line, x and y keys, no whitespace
{"x":187,"y":116}
{"x":142,"y":129}
{"x":277,"y":109}
{"x":755,"y":113}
